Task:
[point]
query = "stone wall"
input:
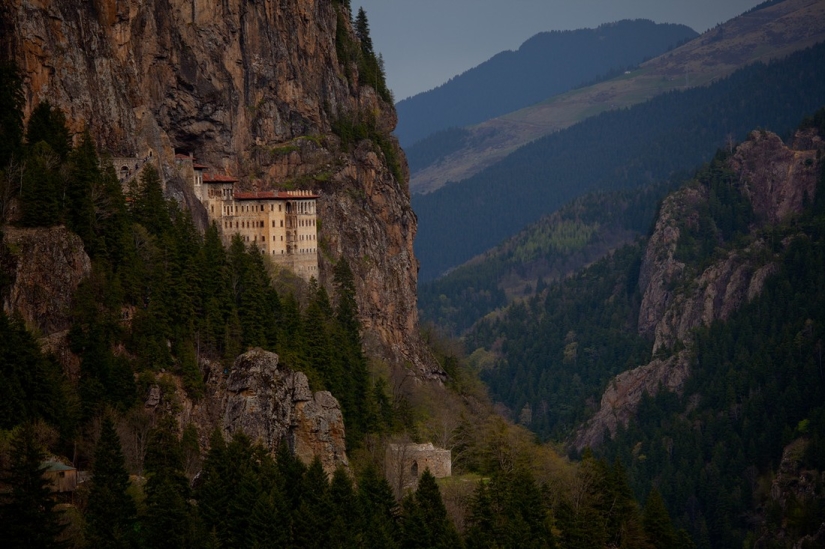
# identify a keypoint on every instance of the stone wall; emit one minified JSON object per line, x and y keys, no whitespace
{"x":405,"y":463}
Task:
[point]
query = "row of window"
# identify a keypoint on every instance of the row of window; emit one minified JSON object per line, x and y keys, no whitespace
{"x":250,"y":224}
{"x":234,"y":209}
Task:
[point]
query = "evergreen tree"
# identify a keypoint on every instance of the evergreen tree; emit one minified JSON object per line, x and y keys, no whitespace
{"x":344,"y":530}
{"x":111,"y":218}
{"x":362,"y":31}
{"x":31,"y":385}
{"x":315,"y":513}
{"x":27,"y":509}
{"x":425,"y":523}
{"x":149,"y":207}
{"x":270,"y":523}
{"x":39,"y":191}
{"x":48,"y":124}
{"x":110,"y":513}
{"x":379,"y":509}
{"x":657,"y":522}
{"x":481,"y":530}
{"x":213,"y":492}
{"x":169,"y":520}
{"x":84,"y":173}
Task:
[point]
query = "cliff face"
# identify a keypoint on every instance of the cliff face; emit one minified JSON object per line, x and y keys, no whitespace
{"x":676,"y":298}
{"x":252,"y":88}
{"x":267,"y":401}
{"x":43,"y":267}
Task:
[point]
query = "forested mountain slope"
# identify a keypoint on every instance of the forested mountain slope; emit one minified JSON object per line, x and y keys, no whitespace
{"x":546,"y":64}
{"x":554,"y":247}
{"x":760,"y":35}
{"x":617,"y":149}
{"x":722,"y":307}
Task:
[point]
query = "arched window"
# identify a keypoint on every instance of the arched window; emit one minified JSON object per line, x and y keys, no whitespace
{"x":414,"y":469}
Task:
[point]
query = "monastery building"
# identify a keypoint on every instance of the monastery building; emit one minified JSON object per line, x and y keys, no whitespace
{"x":282,"y":224}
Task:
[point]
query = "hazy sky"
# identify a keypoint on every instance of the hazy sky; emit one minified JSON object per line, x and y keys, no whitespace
{"x":426,"y":42}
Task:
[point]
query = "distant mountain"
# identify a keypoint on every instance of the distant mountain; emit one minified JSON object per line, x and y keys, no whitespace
{"x":546,"y":64}
{"x":771,"y":32}
{"x":617,"y":149}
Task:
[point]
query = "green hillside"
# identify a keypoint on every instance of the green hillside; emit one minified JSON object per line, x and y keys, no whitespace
{"x":554,"y":247}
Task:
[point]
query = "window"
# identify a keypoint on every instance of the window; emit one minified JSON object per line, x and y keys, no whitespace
{"x":282,"y":223}
{"x":414,"y":469}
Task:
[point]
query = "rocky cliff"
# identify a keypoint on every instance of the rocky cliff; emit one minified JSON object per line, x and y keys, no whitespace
{"x":678,"y":296}
{"x":42,"y":268}
{"x":250,"y":88}
{"x":268,"y":402}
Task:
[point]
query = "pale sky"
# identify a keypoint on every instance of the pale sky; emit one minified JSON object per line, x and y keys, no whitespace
{"x":427,"y":42}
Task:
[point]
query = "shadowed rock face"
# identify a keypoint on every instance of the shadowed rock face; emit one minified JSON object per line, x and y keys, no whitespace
{"x":675,"y":300}
{"x":44,"y":266}
{"x":252,"y":88}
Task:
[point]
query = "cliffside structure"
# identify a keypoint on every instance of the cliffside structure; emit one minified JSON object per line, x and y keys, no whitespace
{"x":281,"y":224}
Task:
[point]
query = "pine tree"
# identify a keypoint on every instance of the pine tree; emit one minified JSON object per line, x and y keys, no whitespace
{"x":344,"y":530}
{"x":425,"y":523}
{"x":110,"y":514}
{"x":112,"y":223}
{"x":657,"y":522}
{"x":214,"y":493}
{"x":27,"y":511}
{"x":315,"y":514}
{"x":30,"y":383}
{"x":149,"y":207}
{"x":48,"y":124}
{"x":481,"y":530}
{"x":83,"y":174}
{"x":39,"y":191}
{"x":362,"y":31}
{"x":379,"y":509}
{"x":169,"y":519}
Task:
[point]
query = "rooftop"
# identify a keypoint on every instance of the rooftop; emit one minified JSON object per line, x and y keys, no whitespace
{"x":274,"y":195}
{"x":218,"y":178}
{"x":55,"y":466}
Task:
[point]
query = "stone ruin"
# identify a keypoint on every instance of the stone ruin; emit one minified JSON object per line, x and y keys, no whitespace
{"x":405,"y":463}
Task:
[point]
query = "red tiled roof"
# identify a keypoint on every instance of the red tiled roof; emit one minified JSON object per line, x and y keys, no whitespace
{"x":182,"y":156}
{"x":199,"y":166}
{"x":218,"y":178}
{"x":271,"y":195}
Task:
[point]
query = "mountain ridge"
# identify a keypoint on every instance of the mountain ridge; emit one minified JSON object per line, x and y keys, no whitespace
{"x":545,"y":64}
{"x":647,"y":142}
{"x":768,"y":33}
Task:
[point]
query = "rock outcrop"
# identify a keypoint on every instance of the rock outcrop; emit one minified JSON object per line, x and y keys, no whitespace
{"x":44,"y":267}
{"x":793,"y":488}
{"x":676,"y":298}
{"x":271,"y":404}
{"x":251,"y":88}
